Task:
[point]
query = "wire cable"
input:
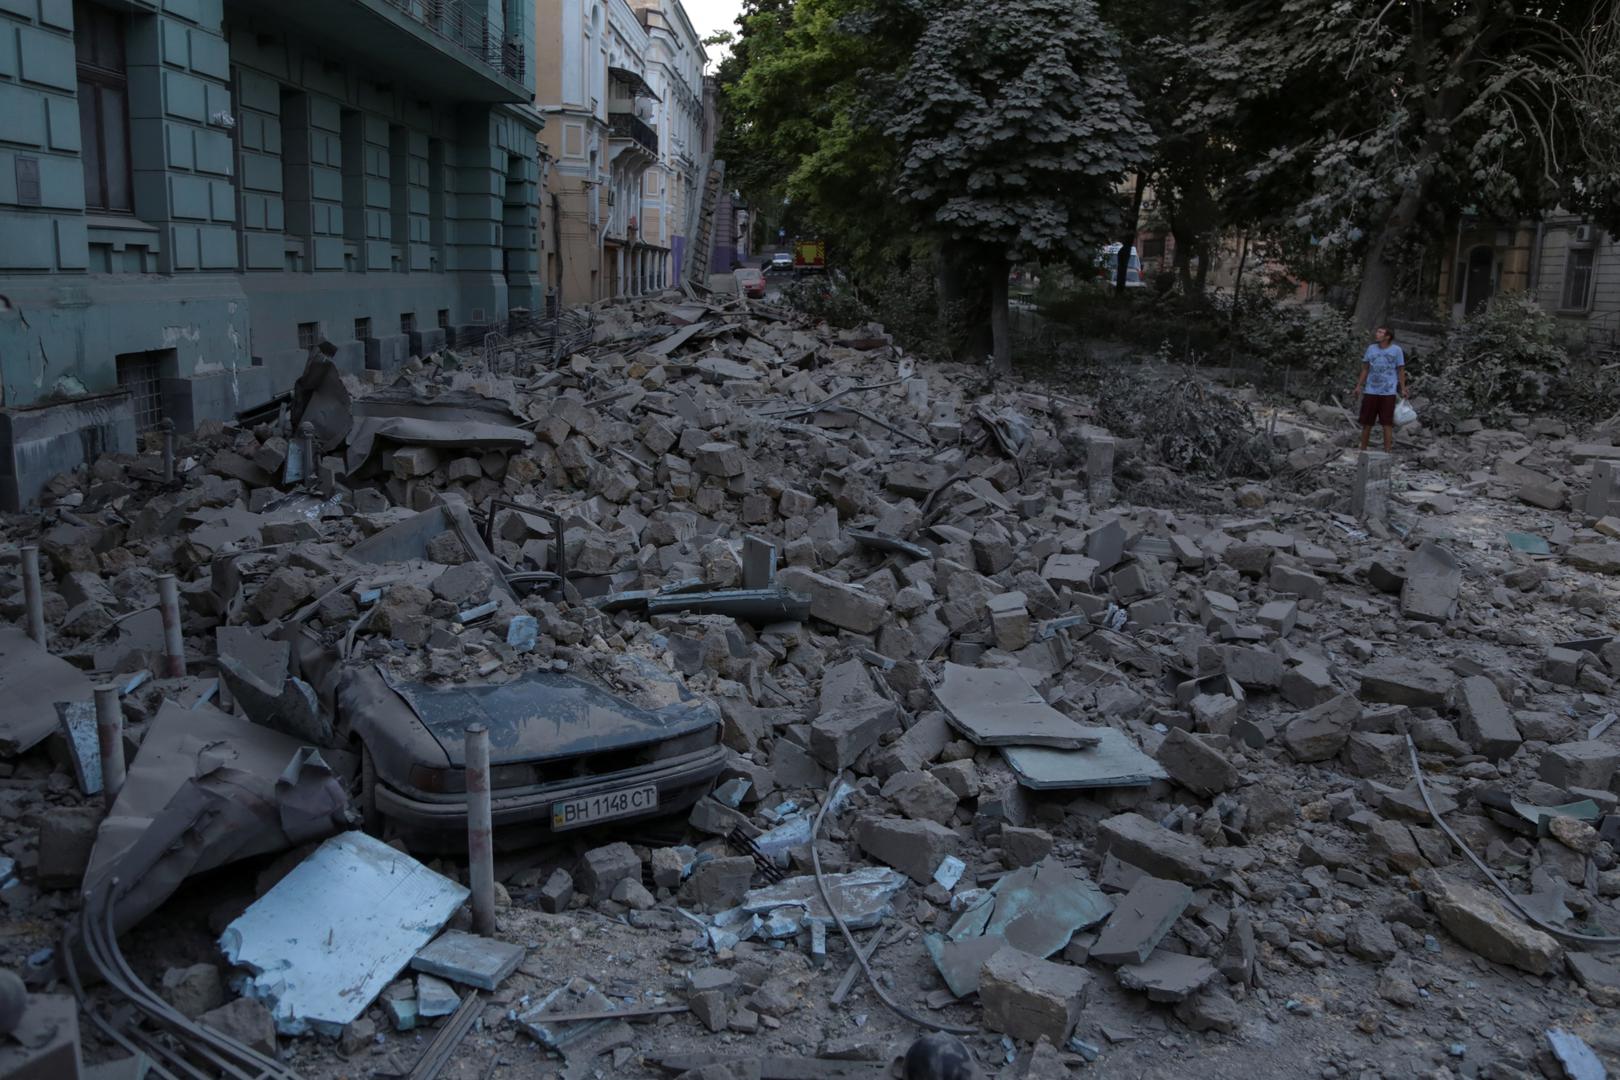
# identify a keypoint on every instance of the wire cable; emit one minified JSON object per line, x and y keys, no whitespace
{"x":854,"y":947}
{"x":1530,"y":916}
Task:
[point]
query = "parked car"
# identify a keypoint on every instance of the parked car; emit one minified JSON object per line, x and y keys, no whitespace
{"x":750,"y":282}
{"x":565,"y":752}
{"x":782,"y":260}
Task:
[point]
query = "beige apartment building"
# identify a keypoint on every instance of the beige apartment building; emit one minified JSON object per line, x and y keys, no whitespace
{"x":621,"y":85}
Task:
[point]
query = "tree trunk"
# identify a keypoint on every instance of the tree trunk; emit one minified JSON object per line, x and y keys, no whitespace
{"x":1128,"y":241}
{"x":1201,"y":282}
{"x":962,"y":304}
{"x":1000,"y":323}
{"x":1377,"y":271}
{"x":1237,"y":280}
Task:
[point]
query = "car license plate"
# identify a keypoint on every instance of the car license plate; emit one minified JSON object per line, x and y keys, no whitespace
{"x":573,"y":813}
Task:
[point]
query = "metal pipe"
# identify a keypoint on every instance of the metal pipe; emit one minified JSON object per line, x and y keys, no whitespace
{"x":110,"y":736}
{"x":174,"y":643}
{"x":480,"y":831}
{"x":33,"y":597}
{"x":167,"y":427}
{"x":306,"y":436}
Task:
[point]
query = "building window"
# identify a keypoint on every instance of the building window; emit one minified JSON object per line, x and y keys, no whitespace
{"x":407,"y":323}
{"x":1578,"y":280}
{"x":1153,"y":247}
{"x":444,"y":318}
{"x":362,"y":329}
{"x":103,"y":80}
{"x":140,"y":375}
{"x":309,"y":335}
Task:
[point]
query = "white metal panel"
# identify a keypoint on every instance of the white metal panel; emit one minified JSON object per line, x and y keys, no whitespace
{"x":332,"y":934}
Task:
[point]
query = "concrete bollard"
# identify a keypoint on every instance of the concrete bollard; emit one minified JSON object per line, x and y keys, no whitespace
{"x":306,"y":438}
{"x":480,"y":832}
{"x":110,"y":739}
{"x":174,"y":642}
{"x":33,"y":596}
{"x":1369,"y":499}
{"x":167,"y":427}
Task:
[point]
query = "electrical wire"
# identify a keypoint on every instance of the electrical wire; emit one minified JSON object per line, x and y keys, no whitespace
{"x":854,"y":946}
{"x":1529,"y":916}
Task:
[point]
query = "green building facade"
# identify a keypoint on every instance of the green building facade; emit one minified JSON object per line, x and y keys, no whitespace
{"x":194,"y":192}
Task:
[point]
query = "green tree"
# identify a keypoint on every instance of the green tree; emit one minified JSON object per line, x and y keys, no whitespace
{"x":1014,"y":126}
{"x":1369,"y":122}
{"x":800,"y":137}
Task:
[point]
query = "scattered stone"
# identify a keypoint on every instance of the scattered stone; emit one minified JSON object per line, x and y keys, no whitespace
{"x":1211,"y":1009}
{"x":604,"y":867}
{"x":1483,"y":924}
{"x":1321,"y":732}
{"x":718,"y":884}
{"x":1167,"y":976}
{"x":66,"y":835}
{"x":1486,"y":724}
{"x":1027,"y":998}
{"x":1579,"y":764}
{"x":1397,"y":681}
{"x":839,"y":603}
{"x":247,"y":1021}
{"x":921,"y":796}
{"x":193,"y":990}
{"x":1370,"y":938}
{"x":1195,"y":765}
{"x":1140,"y":920}
{"x":1134,"y":839}
{"x":915,"y":848}
{"x":1024,"y":847}
{"x":1433,"y":581}
{"x":557,"y":892}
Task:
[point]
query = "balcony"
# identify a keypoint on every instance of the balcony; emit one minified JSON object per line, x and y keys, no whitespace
{"x":466,"y":29}
{"x":446,"y":48}
{"x":631,"y":128}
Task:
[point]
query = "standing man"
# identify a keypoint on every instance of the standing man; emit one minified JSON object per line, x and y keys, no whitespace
{"x":1382,"y":384}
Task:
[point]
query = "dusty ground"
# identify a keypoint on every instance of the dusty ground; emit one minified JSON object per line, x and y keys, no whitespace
{"x":1317,"y":1009}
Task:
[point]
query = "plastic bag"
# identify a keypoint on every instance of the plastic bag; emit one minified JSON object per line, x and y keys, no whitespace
{"x":1404,"y":413}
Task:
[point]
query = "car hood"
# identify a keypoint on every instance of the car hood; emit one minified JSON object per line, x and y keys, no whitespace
{"x":535,"y":717}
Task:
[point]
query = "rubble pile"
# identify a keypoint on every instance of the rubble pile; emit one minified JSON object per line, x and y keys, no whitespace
{"x":1104,"y":786}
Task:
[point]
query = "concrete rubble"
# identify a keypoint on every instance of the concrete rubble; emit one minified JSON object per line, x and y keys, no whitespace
{"x":1127,"y":754}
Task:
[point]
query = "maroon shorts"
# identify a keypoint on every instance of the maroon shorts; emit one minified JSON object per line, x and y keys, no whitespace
{"x":1378,"y":409}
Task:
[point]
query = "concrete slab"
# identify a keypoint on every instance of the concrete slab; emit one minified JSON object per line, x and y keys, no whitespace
{"x":469,"y":959}
{"x":996,"y":707}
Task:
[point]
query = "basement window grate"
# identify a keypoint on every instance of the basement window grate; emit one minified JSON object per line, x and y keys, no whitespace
{"x":362,"y":329}
{"x":140,"y":374}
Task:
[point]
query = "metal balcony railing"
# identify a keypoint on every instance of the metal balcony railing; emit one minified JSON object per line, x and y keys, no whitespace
{"x":623,"y":125}
{"x":467,"y":30}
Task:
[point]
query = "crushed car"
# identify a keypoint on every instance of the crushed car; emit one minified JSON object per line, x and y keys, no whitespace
{"x":565,"y":752}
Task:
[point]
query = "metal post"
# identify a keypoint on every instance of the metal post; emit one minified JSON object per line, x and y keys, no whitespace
{"x":33,"y":597}
{"x":167,"y":426}
{"x":174,"y":642}
{"x":306,"y":436}
{"x":110,"y":736}
{"x":480,"y":831}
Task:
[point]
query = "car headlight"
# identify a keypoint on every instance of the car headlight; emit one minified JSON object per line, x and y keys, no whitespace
{"x":454,"y":781}
{"x":438,"y":781}
{"x":691,"y":743}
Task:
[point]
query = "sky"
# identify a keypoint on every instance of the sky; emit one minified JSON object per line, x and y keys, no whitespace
{"x":710,"y":15}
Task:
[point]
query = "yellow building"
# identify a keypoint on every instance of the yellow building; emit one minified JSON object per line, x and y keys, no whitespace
{"x":621,"y":88}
